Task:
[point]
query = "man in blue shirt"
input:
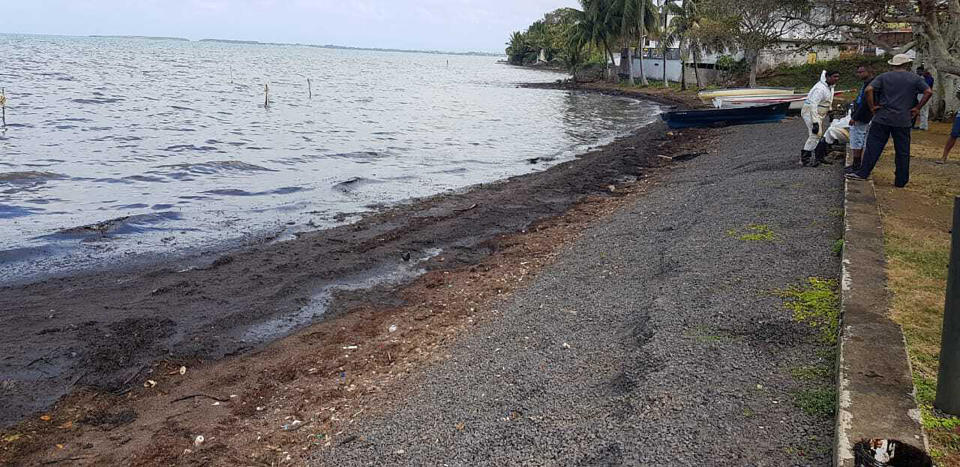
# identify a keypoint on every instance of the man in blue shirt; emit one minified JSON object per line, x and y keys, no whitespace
{"x":892,"y":97}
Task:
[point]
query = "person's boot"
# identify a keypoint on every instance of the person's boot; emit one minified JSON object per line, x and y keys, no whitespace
{"x":821,"y":154}
{"x":804,"y":158}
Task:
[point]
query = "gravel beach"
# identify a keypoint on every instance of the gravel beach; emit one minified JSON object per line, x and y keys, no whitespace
{"x":658,"y":338}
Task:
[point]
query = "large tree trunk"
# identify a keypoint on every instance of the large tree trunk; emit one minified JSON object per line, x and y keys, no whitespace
{"x":753,"y":58}
{"x":936,"y":34}
{"x":629,"y":63}
{"x":683,"y":70}
{"x":613,"y":61}
{"x":665,"y":83}
{"x":696,"y":70}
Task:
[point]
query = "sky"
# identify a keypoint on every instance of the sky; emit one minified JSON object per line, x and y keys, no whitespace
{"x":449,"y":25}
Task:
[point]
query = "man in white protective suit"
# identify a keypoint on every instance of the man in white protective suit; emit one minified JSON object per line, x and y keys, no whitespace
{"x":815,"y":109}
{"x":837,"y":133}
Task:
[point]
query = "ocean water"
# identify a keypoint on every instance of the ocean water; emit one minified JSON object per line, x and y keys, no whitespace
{"x":124,"y":148}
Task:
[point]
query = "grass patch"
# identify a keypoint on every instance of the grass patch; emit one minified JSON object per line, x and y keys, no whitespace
{"x":803,"y":77}
{"x":916,"y":221}
{"x":838,"y":248}
{"x":817,"y":402}
{"x":811,"y":373}
{"x":754,"y":233}
{"x":817,"y":304}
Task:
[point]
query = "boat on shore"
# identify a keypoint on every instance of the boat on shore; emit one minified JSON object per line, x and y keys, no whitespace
{"x":742,"y":102}
{"x":708,"y":96}
{"x":724,"y":117}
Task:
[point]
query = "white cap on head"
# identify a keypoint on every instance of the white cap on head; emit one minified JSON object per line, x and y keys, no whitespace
{"x":900,"y":60}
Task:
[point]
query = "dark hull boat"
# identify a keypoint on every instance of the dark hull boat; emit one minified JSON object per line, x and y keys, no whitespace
{"x":724,"y":117}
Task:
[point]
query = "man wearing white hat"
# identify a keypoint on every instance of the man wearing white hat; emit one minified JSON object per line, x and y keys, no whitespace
{"x":892,"y":97}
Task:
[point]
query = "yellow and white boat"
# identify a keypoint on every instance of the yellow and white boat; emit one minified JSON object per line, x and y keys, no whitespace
{"x":708,"y":96}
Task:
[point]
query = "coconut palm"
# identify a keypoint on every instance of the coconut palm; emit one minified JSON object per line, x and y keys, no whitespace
{"x":686,"y":19}
{"x":590,"y":27}
{"x":631,"y":19}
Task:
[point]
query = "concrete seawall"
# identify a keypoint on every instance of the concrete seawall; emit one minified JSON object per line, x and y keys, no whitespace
{"x":876,"y":392}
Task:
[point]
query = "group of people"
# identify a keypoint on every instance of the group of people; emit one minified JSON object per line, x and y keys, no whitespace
{"x":887,"y":106}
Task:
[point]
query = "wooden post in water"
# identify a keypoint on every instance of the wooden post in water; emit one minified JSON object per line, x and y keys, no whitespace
{"x":309,"y":88}
{"x":3,"y":106}
{"x":266,"y":96}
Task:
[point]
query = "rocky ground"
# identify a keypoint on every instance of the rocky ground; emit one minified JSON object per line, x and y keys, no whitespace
{"x":93,"y":341}
{"x":616,"y":309}
{"x":658,"y":338}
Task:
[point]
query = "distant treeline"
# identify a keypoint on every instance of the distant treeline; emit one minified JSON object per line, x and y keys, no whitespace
{"x":328,"y":46}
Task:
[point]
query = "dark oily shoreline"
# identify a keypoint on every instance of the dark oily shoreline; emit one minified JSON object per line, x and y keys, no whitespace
{"x":670,"y":100}
{"x":102,"y":329}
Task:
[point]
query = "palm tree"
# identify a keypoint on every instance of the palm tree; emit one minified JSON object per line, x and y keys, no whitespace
{"x":686,"y":18}
{"x":630,"y":19}
{"x":668,"y":35}
{"x":646,"y":23}
{"x":591,"y":27}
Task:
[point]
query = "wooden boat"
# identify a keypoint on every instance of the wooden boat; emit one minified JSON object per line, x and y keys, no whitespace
{"x":708,"y":96}
{"x":734,"y":102}
{"x":723,"y":117}
{"x":795,"y":100}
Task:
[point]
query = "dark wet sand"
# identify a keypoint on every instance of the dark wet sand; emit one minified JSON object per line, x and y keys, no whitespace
{"x":104,"y":329}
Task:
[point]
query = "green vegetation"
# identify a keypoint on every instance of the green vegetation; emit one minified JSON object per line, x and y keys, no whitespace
{"x":819,"y":402}
{"x":916,"y":221}
{"x":754,"y":233}
{"x":802,"y":77}
{"x":812,"y":373}
{"x":817,"y":304}
{"x":838,"y":248}
{"x":577,"y":37}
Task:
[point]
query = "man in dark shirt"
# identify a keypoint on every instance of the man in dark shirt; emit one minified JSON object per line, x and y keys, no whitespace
{"x":860,"y":116}
{"x":892,"y":97}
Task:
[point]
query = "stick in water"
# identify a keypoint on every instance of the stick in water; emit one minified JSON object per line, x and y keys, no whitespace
{"x":309,"y":88}
{"x":266,"y":96}
{"x":3,"y":106}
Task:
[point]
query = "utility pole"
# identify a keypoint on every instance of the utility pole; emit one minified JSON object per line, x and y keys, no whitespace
{"x":948,"y":379}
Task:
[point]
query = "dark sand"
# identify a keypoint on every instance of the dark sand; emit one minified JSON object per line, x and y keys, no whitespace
{"x":105,"y":330}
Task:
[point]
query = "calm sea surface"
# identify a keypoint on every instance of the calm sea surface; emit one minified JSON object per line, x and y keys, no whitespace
{"x":116,"y":148}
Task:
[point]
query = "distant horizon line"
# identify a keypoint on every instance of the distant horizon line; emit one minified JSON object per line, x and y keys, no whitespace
{"x":250,"y":42}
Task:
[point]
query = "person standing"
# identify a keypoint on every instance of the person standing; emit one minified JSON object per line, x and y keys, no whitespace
{"x":892,"y":97}
{"x":952,"y":140}
{"x":923,"y":121}
{"x":860,"y":116}
{"x":814,"y":111}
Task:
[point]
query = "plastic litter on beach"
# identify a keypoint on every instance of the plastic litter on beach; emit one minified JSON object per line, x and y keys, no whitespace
{"x":292,"y":426}
{"x":889,"y":452}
